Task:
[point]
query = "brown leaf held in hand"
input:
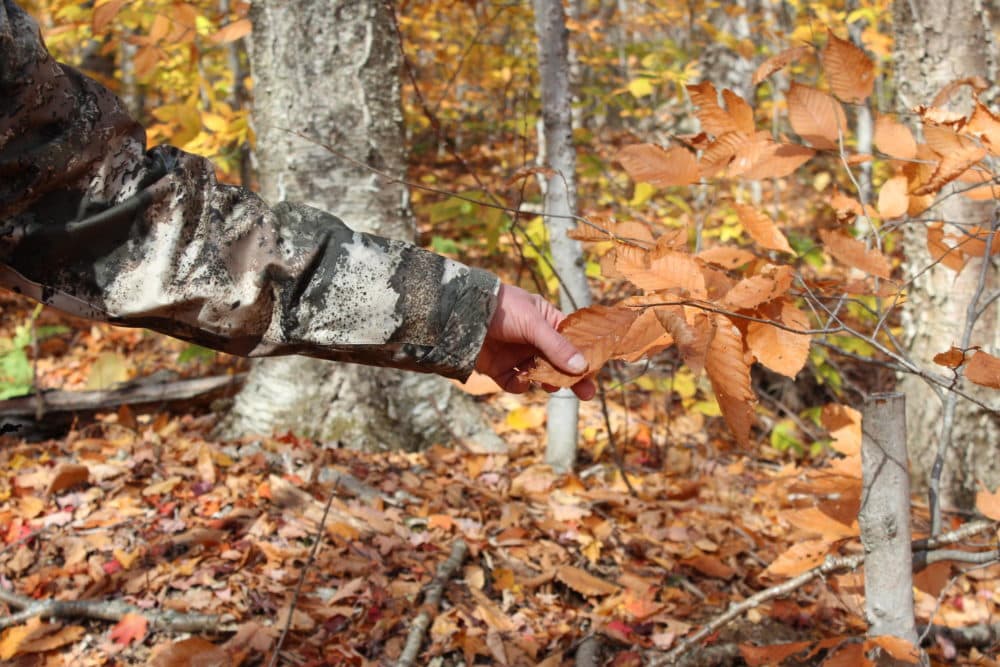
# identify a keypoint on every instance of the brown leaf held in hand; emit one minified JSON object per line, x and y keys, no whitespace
{"x":597,"y":332}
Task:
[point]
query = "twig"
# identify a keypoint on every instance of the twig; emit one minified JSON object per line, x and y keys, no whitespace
{"x":432,"y":602}
{"x":950,"y":402}
{"x":830,"y":566}
{"x":107,"y":610}
{"x":302,"y":577}
{"x":618,"y":456}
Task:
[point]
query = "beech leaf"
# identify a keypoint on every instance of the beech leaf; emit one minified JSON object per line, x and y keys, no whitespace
{"x":989,"y":504}
{"x":852,"y":252}
{"x":692,"y":338}
{"x":983,"y":369}
{"x":816,"y":116}
{"x":781,"y":350}
{"x":893,"y":200}
{"x":726,"y":257}
{"x":762,"y":229}
{"x":652,"y":164}
{"x":192,"y":652}
{"x":894,"y":138}
{"x":728,"y":369}
{"x":714,"y":119}
{"x":778,"y":61}
{"x":953,"y":358}
{"x":670,"y":270}
{"x":799,"y":558}
{"x":850,"y":72}
{"x":597,"y":332}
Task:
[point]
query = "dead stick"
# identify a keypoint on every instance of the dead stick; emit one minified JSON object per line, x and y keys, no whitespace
{"x":302,"y":577}
{"x":107,"y":610}
{"x":432,"y":602}
{"x":830,"y":566}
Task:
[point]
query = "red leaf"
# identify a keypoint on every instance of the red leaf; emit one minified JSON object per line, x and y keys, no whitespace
{"x":132,"y":628}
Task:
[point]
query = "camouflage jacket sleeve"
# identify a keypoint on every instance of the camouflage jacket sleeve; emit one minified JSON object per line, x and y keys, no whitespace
{"x":94,"y":224}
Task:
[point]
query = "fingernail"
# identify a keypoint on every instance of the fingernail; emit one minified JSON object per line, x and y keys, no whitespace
{"x":577,"y":363}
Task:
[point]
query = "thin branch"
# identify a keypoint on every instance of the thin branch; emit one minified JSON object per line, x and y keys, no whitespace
{"x":618,"y":456}
{"x":831,"y":565}
{"x":302,"y":577}
{"x":432,"y":603}
{"x":107,"y":610}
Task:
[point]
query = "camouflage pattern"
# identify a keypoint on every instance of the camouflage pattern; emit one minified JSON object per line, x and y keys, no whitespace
{"x":94,"y":224}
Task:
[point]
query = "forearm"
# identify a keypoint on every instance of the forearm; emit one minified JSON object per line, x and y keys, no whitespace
{"x":92,"y":223}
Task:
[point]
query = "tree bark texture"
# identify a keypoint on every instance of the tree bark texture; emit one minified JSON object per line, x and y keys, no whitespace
{"x":938,"y":42}
{"x":327,"y":113}
{"x":560,"y":204}
{"x":885,"y":518}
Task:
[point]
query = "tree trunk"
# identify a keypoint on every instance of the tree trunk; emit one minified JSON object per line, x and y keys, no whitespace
{"x":938,"y":42}
{"x":560,"y":204}
{"x":327,"y":75}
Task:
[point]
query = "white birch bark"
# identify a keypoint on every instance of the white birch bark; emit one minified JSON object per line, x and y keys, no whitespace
{"x":885,"y":520}
{"x":560,"y":204}
{"x":938,"y":42}
{"x":328,"y":73}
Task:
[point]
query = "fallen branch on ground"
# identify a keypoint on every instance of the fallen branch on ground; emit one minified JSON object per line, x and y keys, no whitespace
{"x":432,"y":602}
{"x":108,"y":610}
{"x":830,"y":566}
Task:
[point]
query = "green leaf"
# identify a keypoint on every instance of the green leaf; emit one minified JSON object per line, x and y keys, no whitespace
{"x":194,"y":352}
{"x":785,"y":437}
{"x":16,"y":374}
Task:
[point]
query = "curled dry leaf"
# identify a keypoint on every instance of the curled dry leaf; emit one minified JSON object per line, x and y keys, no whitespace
{"x":849,"y":71}
{"x":854,"y":253}
{"x":692,"y":337}
{"x":893,"y":199}
{"x":983,"y":369}
{"x":781,"y":350}
{"x":894,"y":138}
{"x":652,"y":164}
{"x":816,"y":116}
{"x":645,"y":336}
{"x":584,"y":583}
{"x":986,"y":125}
{"x":953,"y":358}
{"x":778,"y":61}
{"x":597,"y":332}
{"x":762,"y":229}
{"x":728,"y":368}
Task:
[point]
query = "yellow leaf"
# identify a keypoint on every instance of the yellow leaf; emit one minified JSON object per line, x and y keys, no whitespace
{"x":526,"y":417}
{"x":108,"y":369}
{"x":640,"y":87}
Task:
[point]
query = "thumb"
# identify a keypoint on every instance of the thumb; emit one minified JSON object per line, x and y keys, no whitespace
{"x":560,"y":352}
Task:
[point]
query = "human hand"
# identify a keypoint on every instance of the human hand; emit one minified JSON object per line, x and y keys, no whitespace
{"x":523,"y":327}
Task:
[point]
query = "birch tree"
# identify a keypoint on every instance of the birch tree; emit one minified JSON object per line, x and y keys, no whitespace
{"x":328,"y":117}
{"x":560,"y":206}
{"x":938,"y":43}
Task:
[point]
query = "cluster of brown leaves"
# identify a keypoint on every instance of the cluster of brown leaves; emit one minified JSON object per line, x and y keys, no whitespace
{"x":725,"y":307}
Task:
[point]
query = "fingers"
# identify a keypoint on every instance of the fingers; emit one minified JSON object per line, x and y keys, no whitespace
{"x":559,"y":351}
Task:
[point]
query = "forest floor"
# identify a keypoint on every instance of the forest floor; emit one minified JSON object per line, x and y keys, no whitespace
{"x":149,"y":509}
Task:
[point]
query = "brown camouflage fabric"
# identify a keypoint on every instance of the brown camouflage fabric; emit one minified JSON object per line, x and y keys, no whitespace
{"x":94,"y":224}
